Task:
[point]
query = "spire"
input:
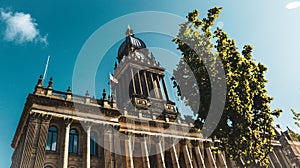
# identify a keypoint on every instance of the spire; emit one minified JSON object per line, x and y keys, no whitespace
{"x":69,"y":93}
{"x":69,"y":90}
{"x":129,"y":32}
{"x":39,"y":86}
{"x":40,"y":81}
{"x":50,"y":83}
{"x":104,"y":94}
{"x":87,"y":94}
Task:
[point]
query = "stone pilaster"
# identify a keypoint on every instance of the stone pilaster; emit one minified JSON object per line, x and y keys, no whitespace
{"x":30,"y":134}
{"x":42,"y":140}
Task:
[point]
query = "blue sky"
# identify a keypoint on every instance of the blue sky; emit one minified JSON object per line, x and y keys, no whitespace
{"x":37,"y":29}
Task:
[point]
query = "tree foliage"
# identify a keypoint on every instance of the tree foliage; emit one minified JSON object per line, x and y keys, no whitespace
{"x":296,"y":117}
{"x":246,"y":124}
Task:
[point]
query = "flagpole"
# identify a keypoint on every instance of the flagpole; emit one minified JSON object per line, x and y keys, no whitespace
{"x":109,"y":85}
{"x":46,"y":67}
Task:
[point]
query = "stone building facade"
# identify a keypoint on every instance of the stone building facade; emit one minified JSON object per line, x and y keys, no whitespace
{"x":136,"y":126}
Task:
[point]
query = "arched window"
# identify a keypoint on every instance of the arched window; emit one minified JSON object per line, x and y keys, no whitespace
{"x":73,"y":141}
{"x":51,"y":139}
{"x":93,"y":144}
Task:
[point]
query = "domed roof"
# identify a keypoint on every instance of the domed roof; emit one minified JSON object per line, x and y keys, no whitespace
{"x":131,"y":43}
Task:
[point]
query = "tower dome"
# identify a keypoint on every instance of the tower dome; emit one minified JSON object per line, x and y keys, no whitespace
{"x":131,"y":43}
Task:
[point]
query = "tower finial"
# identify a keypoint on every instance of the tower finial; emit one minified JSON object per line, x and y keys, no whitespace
{"x":129,"y":32}
{"x":40,"y":81}
{"x":50,"y":83}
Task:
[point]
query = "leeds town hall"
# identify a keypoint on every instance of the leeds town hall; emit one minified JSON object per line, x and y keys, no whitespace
{"x":135,"y":125}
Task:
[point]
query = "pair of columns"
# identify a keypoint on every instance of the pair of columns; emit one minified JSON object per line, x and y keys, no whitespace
{"x":87,"y":126}
{"x":145,"y":153}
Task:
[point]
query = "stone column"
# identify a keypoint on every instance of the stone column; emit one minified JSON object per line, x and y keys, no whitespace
{"x":285,"y":162}
{"x":207,"y":145}
{"x":186,"y":154}
{"x":68,"y":122}
{"x":108,"y":147}
{"x":173,"y":153}
{"x":174,"y":157}
{"x":271,"y":165}
{"x":128,"y":151}
{"x":159,"y":152}
{"x":88,"y":150}
{"x":165,"y":89}
{"x":159,"y":89}
{"x":275,"y":159}
{"x":199,"y":158}
{"x":140,"y":82}
{"x":87,"y":127}
{"x":155,"y":86}
{"x":222,"y":161}
{"x":117,"y":148}
{"x":133,"y":82}
{"x":146,"y":81}
{"x":145,"y":154}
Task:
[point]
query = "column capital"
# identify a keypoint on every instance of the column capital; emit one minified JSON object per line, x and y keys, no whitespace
{"x":33,"y":116}
{"x":46,"y":117}
{"x":145,"y":137}
{"x":107,"y":128}
{"x":156,"y":139}
{"x":68,"y":122}
{"x":195,"y":143}
{"x":207,"y":144}
{"x":87,"y":125}
{"x":183,"y":142}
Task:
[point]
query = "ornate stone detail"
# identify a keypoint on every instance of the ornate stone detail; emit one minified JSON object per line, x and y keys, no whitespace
{"x":46,"y":117}
{"x":195,"y":143}
{"x":141,"y":103}
{"x":183,"y":142}
{"x":68,"y":121}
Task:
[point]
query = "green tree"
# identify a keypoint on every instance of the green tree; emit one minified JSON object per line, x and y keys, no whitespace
{"x":246,"y":124}
{"x":296,"y":117}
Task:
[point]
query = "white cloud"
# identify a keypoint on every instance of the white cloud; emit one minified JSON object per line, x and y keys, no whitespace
{"x":21,"y":28}
{"x":293,"y":5}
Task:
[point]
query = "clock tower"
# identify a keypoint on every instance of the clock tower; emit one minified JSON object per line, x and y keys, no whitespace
{"x":141,"y":87}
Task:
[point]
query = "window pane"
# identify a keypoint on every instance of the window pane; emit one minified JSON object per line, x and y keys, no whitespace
{"x":73,"y":131}
{"x":73,"y":141}
{"x":71,"y":144}
{"x":54,"y":140}
{"x":93,"y":145}
{"x":53,"y":129}
{"x":48,"y":141}
{"x":51,"y":139}
{"x":75,"y":144}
